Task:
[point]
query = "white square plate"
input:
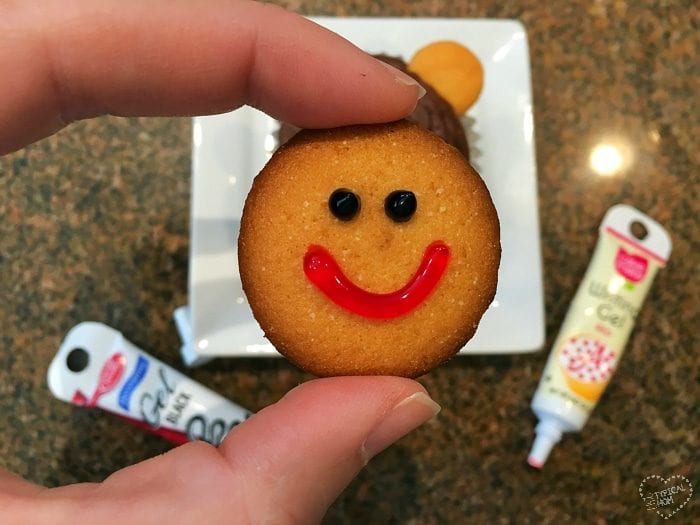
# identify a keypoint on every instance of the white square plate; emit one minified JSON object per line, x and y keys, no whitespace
{"x":230,"y":149}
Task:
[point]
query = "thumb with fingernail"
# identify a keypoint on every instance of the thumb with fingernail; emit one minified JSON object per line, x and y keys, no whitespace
{"x":286,"y":464}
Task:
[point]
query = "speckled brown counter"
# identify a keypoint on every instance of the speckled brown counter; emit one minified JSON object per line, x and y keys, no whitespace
{"x":94,"y":225}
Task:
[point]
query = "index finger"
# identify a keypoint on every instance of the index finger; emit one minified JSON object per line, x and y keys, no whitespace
{"x":64,"y":61}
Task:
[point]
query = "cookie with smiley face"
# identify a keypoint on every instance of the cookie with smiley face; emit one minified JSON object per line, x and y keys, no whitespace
{"x":369,"y":250}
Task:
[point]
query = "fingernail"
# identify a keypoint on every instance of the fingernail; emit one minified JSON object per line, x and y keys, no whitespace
{"x":404,"y":78}
{"x":408,"y":415}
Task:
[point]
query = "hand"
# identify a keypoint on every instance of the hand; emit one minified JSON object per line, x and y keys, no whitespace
{"x":69,"y":60}
{"x":74,"y":59}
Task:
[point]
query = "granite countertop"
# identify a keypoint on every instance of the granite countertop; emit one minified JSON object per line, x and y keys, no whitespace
{"x":94,"y":226}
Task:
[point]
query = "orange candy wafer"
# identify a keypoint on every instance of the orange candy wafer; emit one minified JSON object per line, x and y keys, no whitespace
{"x":452,"y":70}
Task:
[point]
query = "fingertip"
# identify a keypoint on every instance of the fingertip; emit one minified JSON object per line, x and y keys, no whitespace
{"x":390,"y":386}
{"x":337,"y":84}
{"x":305,"y":449}
{"x":407,"y":415}
{"x":405,"y":79}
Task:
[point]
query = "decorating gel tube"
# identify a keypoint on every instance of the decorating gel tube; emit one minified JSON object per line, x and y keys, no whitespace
{"x":96,"y":366}
{"x":630,"y":249}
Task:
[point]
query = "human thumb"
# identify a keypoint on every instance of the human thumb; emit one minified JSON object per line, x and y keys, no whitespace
{"x":284,"y":465}
{"x":298,"y":455}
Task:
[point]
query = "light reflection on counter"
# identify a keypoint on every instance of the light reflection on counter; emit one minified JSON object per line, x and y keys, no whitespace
{"x":611,"y":157}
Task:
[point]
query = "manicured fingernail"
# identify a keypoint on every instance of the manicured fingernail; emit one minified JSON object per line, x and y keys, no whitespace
{"x":408,"y":415}
{"x":404,"y":78}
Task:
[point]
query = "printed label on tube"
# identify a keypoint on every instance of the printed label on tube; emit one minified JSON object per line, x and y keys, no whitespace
{"x":96,"y":366}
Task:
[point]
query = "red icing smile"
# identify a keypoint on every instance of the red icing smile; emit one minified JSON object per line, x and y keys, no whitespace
{"x":323,"y":271}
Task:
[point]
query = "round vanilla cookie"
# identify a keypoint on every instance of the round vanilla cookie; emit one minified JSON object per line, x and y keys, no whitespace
{"x":369,"y":250}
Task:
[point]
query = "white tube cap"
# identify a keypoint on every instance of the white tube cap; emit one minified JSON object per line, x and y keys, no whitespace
{"x":547,"y":434}
{"x":184,"y":328}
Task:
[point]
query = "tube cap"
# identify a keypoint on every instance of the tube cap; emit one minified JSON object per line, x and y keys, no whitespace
{"x":189,"y":355}
{"x":540,"y":450}
{"x":548,"y":433}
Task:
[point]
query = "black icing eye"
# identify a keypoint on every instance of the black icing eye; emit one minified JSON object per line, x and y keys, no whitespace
{"x":400,"y":205}
{"x":344,"y":204}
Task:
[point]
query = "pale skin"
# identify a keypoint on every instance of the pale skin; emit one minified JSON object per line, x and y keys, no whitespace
{"x":61,"y":61}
